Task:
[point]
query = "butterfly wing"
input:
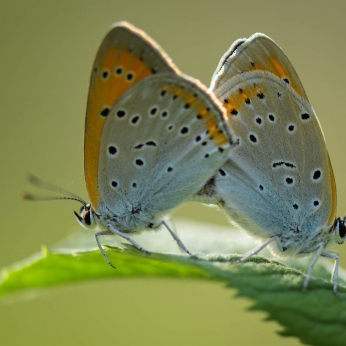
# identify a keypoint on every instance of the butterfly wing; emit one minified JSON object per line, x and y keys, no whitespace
{"x":126,"y":56}
{"x":279,"y":179}
{"x":258,"y":52}
{"x":161,"y":142}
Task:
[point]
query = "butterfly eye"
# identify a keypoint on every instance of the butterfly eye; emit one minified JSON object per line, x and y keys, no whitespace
{"x":342,"y":229}
{"x":86,"y":217}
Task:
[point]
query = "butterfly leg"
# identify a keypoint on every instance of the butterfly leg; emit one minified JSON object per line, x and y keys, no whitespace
{"x":170,"y":218}
{"x":334,"y":279}
{"x":100,"y":247}
{"x":180,"y":243}
{"x":136,"y":245}
{"x":255,"y":251}
{"x":320,"y":248}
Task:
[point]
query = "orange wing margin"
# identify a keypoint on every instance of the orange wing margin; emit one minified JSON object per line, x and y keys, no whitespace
{"x":258,"y":52}
{"x":126,"y":56}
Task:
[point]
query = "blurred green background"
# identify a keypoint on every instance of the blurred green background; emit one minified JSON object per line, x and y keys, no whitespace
{"x":47,"y":49}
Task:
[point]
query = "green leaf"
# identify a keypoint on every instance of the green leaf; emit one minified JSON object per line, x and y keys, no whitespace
{"x":317,"y":317}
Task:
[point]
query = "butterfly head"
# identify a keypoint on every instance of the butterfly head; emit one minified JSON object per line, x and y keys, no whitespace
{"x":86,"y":217}
{"x":339,"y":230}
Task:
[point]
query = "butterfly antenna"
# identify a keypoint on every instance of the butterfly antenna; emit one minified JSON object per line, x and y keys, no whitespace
{"x":50,"y":187}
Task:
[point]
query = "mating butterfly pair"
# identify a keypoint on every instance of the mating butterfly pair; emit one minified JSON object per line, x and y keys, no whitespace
{"x":155,"y":138}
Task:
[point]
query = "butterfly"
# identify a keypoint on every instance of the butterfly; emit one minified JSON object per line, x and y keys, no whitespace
{"x":278,"y":185}
{"x":153,"y":137}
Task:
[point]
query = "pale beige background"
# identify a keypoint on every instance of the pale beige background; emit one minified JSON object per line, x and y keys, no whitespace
{"x":47,"y":48}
